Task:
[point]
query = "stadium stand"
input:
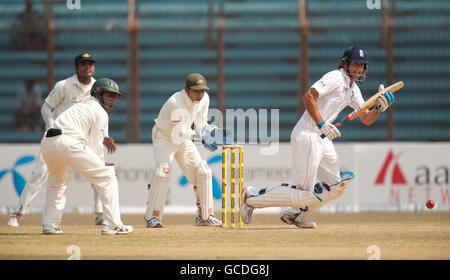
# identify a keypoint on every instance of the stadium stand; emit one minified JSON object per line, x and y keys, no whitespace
{"x":261,"y":57}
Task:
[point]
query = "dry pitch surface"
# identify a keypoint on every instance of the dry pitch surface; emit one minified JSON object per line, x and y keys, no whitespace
{"x":417,"y":235}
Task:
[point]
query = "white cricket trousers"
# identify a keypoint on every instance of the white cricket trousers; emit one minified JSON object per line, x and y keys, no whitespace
{"x":314,"y":159}
{"x":63,"y":152}
{"x":193,"y":167}
{"x":34,"y":184}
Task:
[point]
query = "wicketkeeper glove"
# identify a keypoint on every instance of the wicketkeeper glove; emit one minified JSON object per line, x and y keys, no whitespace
{"x":206,"y":138}
{"x":222,"y":136}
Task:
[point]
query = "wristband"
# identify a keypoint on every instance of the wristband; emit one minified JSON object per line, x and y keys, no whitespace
{"x":320,"y":124}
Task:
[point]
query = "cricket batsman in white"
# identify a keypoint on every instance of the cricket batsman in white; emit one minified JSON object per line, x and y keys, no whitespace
{"x":173,"y":138}
{"x":317,"y":178}
{"x":76,"y":141}
{"x":66,"y":93}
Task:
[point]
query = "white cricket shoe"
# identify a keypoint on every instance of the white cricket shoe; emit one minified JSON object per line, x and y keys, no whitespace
{"x":246,"y":210}
{"x":288,"y":219}
{"x":99,"y":221}
{"x":211,"y":221}
{"x":123,"y":229}
{"x":50,"y":229}
{"x":154,"y":222}
{"x":291,"y":216}
{"x":305,"y":224}
{"x":14,"y":220}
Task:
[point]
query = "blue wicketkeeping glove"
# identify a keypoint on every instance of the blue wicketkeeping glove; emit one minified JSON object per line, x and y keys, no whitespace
{"x":222,"y":136}
{"x":207,"y":140}
{"x":209,"y":145}
{"x":215,"y":137}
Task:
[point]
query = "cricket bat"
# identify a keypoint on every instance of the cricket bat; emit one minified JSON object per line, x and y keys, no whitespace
{"x":369,"y":103}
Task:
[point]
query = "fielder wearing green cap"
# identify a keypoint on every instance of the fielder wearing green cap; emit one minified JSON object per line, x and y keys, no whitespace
{"x":173,"y":137}
{"x":84,"y":57}
{"x":76,"y":142}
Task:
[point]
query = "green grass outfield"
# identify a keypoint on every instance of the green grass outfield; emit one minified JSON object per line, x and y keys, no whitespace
{"x":414,"y":235}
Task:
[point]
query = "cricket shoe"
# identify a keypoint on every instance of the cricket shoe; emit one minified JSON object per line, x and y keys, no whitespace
{"x":50,"y":229}
{"x":123,"y":229}
{"x":291,"y":217}
{"x":246,"y":210}
{"x":99,"y":221}
{"x":211,"y":221}
{"x":287,"y":219}
{"x":305,"y":224}
{"x":14,"y":220}
{"x":154,"y":223}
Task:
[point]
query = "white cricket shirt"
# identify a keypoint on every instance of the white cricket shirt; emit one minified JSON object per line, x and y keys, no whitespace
{"x":67,"y":93}
{"x":335,"y":94}
{"x":86,"y":121}
{"x":181,"y":112}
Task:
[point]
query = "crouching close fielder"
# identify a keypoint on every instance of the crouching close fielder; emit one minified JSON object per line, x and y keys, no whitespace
{"x":76,"y":141}
{"x":173,"y":139}
{"x":317,"y":179}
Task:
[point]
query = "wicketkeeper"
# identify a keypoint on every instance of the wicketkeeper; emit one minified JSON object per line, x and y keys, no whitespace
{"x":173,"y":139}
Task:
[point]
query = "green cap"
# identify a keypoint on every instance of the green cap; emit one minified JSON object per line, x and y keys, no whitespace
{"x":196,"y":81}
{"x":83,"y":57}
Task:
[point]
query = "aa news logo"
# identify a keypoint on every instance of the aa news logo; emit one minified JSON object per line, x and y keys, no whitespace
{"x":426,"y":180}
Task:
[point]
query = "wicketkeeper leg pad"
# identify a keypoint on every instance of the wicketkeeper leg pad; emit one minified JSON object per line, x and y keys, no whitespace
{"x":204,"y":190}
{"x":158,"y":191}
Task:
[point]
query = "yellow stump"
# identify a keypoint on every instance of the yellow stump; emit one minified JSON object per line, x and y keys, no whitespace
{"x":233,"y":187}
{"x":233,"y":184}
{"x":224,"y":187}
{"x":241,"y":181}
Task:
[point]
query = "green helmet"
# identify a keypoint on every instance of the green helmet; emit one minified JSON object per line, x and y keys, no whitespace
{"x":105,"y":85}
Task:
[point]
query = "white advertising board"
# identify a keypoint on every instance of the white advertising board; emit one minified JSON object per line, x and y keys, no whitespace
{"x":402,"y":176}
{"x":397,"y":177}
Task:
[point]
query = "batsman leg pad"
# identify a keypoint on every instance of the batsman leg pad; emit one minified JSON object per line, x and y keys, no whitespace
{"x":327,"y":194}
{"x":282,"y":196}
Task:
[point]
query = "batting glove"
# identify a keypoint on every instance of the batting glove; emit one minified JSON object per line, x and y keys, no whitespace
{"x":329,"y":130}
{"x":385,"y":100}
